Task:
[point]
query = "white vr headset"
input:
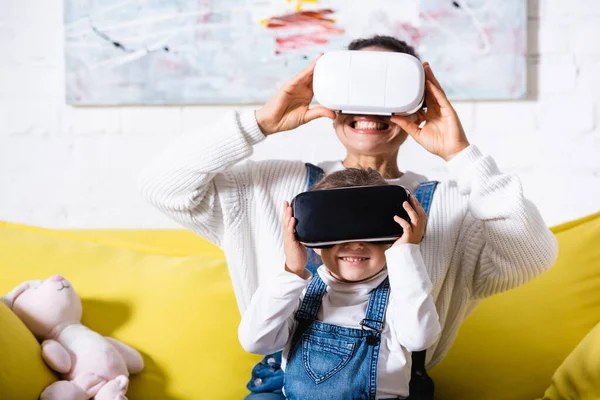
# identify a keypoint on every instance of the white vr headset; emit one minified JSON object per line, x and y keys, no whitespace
{"x":369,"y":82}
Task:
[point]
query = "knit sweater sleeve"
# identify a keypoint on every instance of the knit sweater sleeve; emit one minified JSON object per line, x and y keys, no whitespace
{"x":503,"y":236}
{"x":196,"y":180}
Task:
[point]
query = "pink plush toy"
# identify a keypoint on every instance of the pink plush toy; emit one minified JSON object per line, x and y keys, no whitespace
{"x":91,"y":365}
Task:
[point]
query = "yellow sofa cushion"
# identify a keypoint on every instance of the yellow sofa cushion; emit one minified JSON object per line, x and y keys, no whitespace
{"x":578,"y":378}
{"x":513,"y":342}
{"x":178,"y":310}
{"x":23,"y":374}
{"x":168,"y":294}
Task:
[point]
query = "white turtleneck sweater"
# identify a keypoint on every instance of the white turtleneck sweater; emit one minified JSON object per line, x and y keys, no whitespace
{"x":483,"y":236}
{"x":411,"y":321}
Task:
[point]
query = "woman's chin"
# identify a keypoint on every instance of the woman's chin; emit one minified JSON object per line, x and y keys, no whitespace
{"x":370,"y":149}
{"x":371,"y":144}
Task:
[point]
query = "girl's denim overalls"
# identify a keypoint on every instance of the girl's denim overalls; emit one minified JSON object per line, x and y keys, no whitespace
{"x":333,"y":362}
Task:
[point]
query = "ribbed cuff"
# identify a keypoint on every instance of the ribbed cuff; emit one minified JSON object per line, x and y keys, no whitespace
{"x":250,"y":127}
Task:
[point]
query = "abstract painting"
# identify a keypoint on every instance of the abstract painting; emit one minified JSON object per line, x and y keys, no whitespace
{"x":121,"y":52}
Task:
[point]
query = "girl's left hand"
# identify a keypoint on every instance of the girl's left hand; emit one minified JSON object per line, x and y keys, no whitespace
{"x":415,"y":229}
{"x":442,"y":134}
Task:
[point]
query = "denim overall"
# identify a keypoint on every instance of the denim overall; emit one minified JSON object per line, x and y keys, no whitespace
{"x":268,"y":377}
{"x":334,"y":361}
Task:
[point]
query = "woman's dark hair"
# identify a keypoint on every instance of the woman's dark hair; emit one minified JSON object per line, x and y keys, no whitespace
{"x":385,"y":42}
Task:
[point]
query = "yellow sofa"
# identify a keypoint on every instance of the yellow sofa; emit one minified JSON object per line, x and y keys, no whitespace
{"x":168,"y":294}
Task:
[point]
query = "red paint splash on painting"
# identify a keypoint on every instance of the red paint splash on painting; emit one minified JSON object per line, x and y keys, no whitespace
{"x":409,"y":32}
{"x":316,"y":28}
{"x":301,"y":18}
{"x":441,"y":13}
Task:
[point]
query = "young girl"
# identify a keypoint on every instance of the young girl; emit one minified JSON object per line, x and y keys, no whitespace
{"x":348,"y":331}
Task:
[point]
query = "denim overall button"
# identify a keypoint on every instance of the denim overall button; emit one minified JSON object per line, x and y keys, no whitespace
{"x":372,"y":340}
{"x":258,"y":382}
{"x":271,"y":360}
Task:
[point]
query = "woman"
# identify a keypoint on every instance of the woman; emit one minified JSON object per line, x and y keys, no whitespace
{"x":483,"y":236}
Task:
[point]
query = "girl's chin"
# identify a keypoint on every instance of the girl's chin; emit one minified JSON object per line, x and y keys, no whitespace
{"x":352,"y":277}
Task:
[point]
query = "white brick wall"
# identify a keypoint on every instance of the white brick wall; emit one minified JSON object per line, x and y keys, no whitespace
{"x":66,"y":167}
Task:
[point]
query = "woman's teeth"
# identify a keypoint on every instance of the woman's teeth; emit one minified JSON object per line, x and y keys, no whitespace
{"x":369,"y":125}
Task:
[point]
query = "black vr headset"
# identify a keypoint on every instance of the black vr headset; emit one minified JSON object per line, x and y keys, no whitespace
{"x":356,"y":214}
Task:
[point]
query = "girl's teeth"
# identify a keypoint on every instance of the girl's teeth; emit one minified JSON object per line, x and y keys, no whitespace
{"x":353,"y":259}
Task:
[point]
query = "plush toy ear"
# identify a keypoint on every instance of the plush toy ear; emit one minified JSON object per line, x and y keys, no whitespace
{"x":10,"y":297}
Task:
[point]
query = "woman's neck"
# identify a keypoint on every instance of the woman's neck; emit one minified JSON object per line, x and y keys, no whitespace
{"x":386,"y":165}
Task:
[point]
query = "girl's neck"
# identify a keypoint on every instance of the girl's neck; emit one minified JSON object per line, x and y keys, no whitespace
{"x":386,"y":165}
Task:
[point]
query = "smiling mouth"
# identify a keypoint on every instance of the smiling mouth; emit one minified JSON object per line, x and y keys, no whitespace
{"x":367,"y":125}
{"x":354,"y":259}
{"x":64,"y":286}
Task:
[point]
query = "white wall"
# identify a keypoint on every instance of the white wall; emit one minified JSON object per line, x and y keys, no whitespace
{"x":65,"y":167}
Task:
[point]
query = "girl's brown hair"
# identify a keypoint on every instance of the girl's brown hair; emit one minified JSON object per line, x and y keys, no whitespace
{"x":350,"y":177}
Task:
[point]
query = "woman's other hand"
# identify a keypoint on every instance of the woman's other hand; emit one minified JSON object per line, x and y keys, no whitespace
{"x":289,"y":107}
{"x":415,"y":229}
{"x":442,"y":134}
{"x":295,"y":253}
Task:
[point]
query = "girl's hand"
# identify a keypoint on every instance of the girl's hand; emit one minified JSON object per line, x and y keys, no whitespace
{"x":289,"y":107}
{"x":295,"y":253}
{"x":442,"y":134}
{"x":415,"y":229}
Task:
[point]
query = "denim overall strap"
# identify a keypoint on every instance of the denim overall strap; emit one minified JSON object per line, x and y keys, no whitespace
{"x":424,"y":194}
{"x":421,"y":385}
{"x":374,"y":320}
{"x":314,"y":175}
{"x":312,"y":299}
{"x":376,"y":308}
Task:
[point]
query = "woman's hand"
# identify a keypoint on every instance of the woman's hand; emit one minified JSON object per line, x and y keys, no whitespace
{"x":442,"y":134}
{"x":295,"y":253}
{"x":289,"y":107}
{"x":415,"y":229}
